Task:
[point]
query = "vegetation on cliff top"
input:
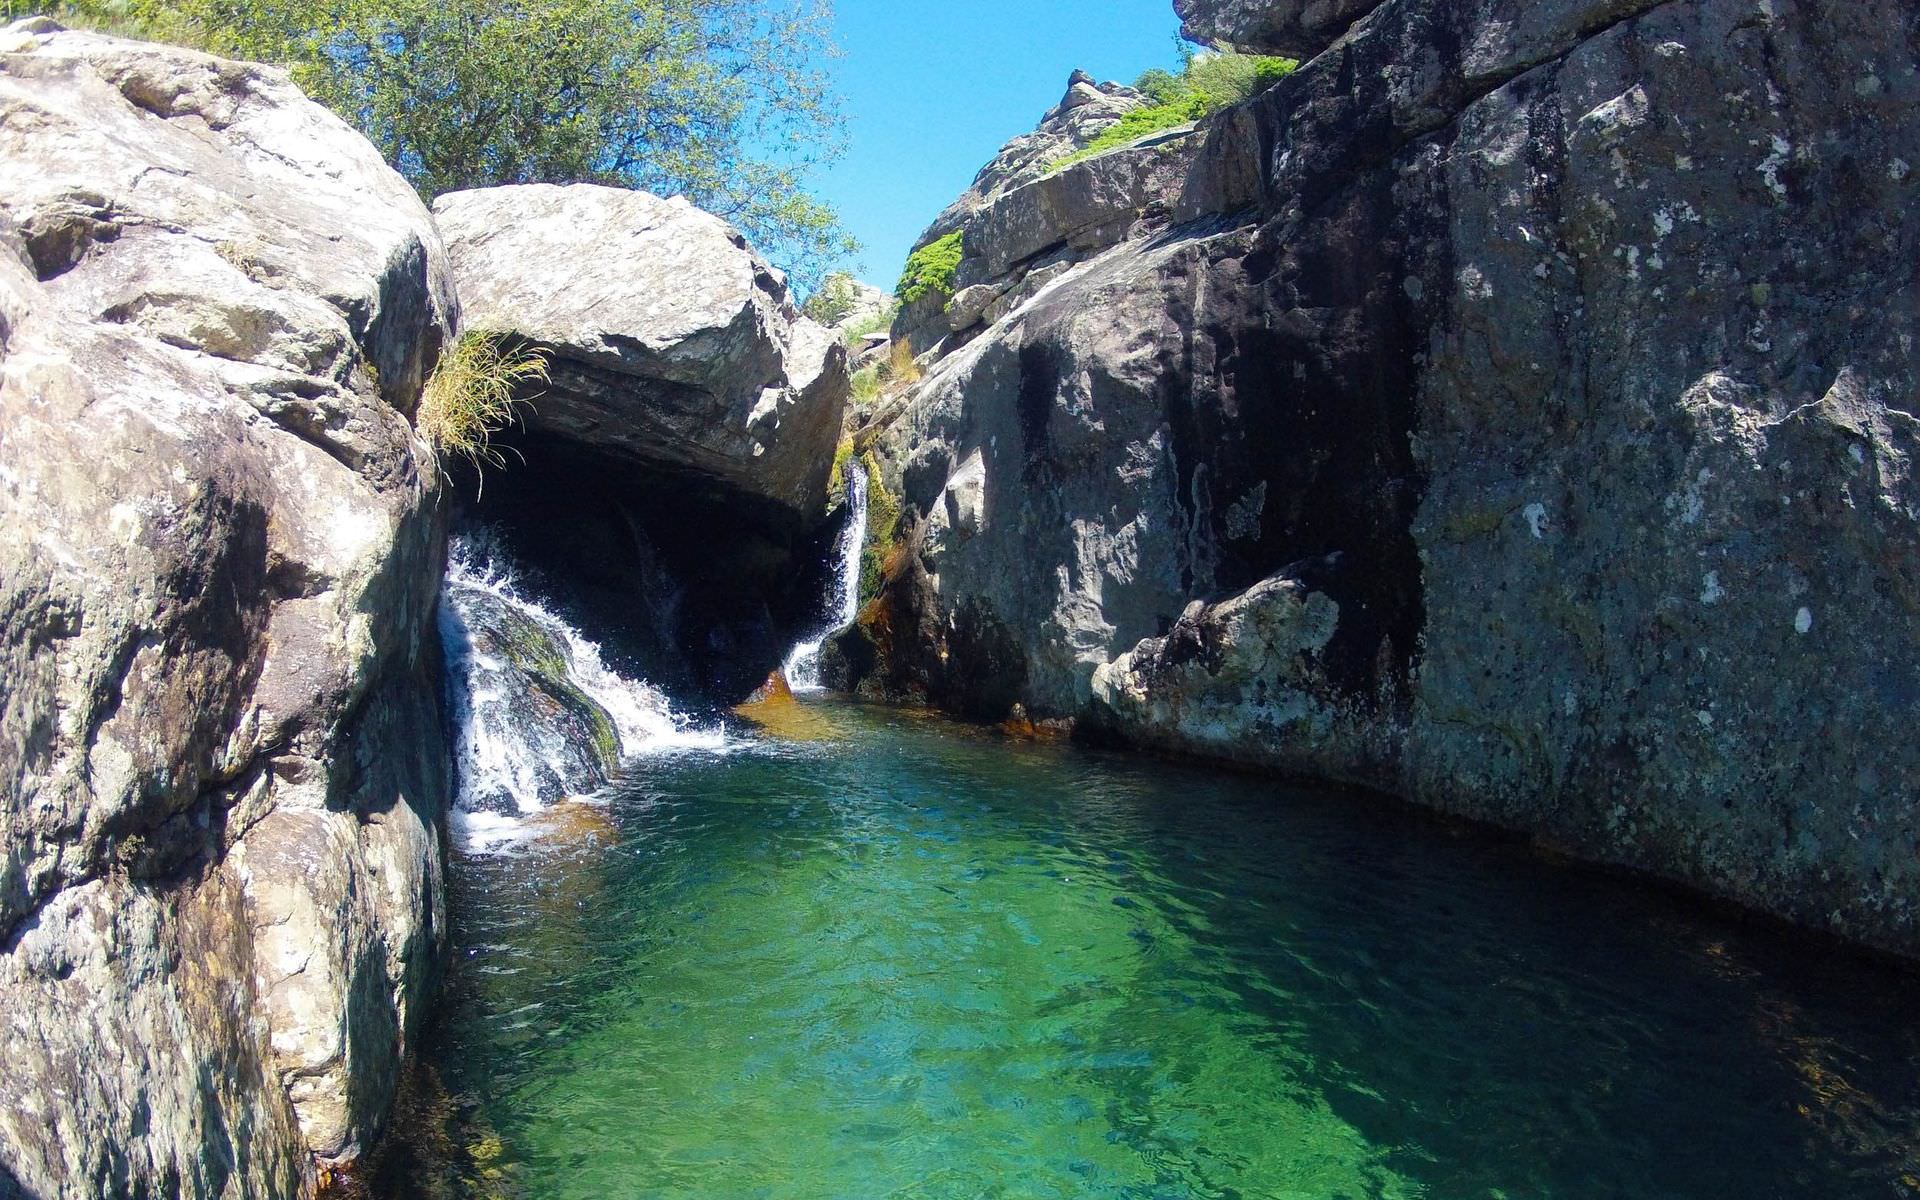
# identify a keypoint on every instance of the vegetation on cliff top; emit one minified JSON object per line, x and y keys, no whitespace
{"x":1205,"y":85}
{"x":671,"y":96}
{"x":837,"y":298}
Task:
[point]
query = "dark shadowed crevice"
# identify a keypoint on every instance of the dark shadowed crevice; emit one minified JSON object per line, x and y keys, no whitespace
{"x":683,"y":581}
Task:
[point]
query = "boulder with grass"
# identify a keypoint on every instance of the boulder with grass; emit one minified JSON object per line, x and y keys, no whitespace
{"x":669,"y":341}
{"x":678,"y":441}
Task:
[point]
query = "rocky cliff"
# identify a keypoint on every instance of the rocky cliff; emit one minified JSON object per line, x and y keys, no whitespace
{"x":1513,"y":410}
{"x":220,"y":547}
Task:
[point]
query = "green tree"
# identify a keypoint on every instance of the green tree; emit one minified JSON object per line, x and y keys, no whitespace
{"x":726,"y":102}
{"x":836,"y":299}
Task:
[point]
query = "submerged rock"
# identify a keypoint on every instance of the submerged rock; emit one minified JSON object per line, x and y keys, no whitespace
{"x":1565,"y":357}
{"x":541,"y":737}
{"x":220,"y":893}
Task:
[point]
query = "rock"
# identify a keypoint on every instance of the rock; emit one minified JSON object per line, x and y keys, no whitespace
{"x":519,"y":706}
{"x":864,"y":303}
{"x":683,"y":447}
{"x":1050,"y":222}
{"x":221,"y":899}
{"x":1565,"y":358}
{"x":672,"y":343}
{"x":971,"y":303}
{"x":1089,"y":206}
{"x":1245,"y":679}
{"x":1300,"y":28}
{"x":1083,"y":114}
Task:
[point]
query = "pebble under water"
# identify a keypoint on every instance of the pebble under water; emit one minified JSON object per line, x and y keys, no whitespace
{"x":894,"y":957}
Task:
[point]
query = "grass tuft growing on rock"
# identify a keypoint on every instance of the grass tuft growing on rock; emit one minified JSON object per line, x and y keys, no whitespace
{"x":867,"y":386}
{"x":901,"y":366}
{"x":474,"y":393}
{"x":931,"y":268}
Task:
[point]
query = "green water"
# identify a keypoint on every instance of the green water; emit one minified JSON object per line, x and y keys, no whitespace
{"x":917,"y":960}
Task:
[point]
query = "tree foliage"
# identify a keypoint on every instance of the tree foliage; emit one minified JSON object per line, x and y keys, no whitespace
{"x":726,"y":102}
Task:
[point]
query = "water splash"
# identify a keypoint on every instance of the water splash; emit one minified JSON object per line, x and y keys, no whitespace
{"x":802,"y":667}
{"x":538,"y":716}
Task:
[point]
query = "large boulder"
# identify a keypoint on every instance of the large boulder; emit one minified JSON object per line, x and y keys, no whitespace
{"x":221,"y":742}
{"x":676,"y":464}
{"x":1568,"y":360}
{"x":1302,"y":28}
{"x":671,"y":342}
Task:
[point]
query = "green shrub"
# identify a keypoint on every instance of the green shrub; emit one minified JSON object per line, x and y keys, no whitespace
{"x":474,"y":392}
{"x":931,"y":268}
{"x":1207,"y":84}
{"x":1138,"y":124}
{"x":1225,"y":80}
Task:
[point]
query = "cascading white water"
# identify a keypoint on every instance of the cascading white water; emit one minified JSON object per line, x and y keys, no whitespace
{"x":512,"y":668}
{"x":802,"y":667}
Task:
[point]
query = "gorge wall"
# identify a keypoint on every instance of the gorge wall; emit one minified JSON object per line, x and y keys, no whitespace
{"x":221,"y":896}
{"x":223,"y":534}
{"x":1513,"y":410}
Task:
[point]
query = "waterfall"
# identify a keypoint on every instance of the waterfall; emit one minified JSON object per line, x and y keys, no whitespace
{"x":802,"y":667}
{"x":537,"y":714}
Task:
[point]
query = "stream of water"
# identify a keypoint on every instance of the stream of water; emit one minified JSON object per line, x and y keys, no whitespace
{"x":802,"y":668}
{"x":878,"y":955}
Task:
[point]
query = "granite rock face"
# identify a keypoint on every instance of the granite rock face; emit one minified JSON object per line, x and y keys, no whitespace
{"x":1566,"y":354}
{"x":671,"y":342}
{"x":1088,"y":110}
{"x":220,"y":547}
{"x":1301,"y":28}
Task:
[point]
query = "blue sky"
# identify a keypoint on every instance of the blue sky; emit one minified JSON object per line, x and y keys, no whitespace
{"x":933,"y":89}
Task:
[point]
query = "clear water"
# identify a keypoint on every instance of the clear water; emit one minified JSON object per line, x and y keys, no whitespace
{"x":909,"y":959}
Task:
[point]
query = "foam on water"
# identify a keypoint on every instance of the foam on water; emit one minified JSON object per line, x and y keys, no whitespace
{"x":505,"y":755}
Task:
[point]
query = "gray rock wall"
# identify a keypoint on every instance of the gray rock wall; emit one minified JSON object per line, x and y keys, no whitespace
{"x":220,"y":547}
{"x":1568,"y":356}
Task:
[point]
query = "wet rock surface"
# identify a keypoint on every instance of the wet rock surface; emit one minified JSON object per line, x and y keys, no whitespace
{"x":222,"y":741}
{"x":1566,"y":356}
